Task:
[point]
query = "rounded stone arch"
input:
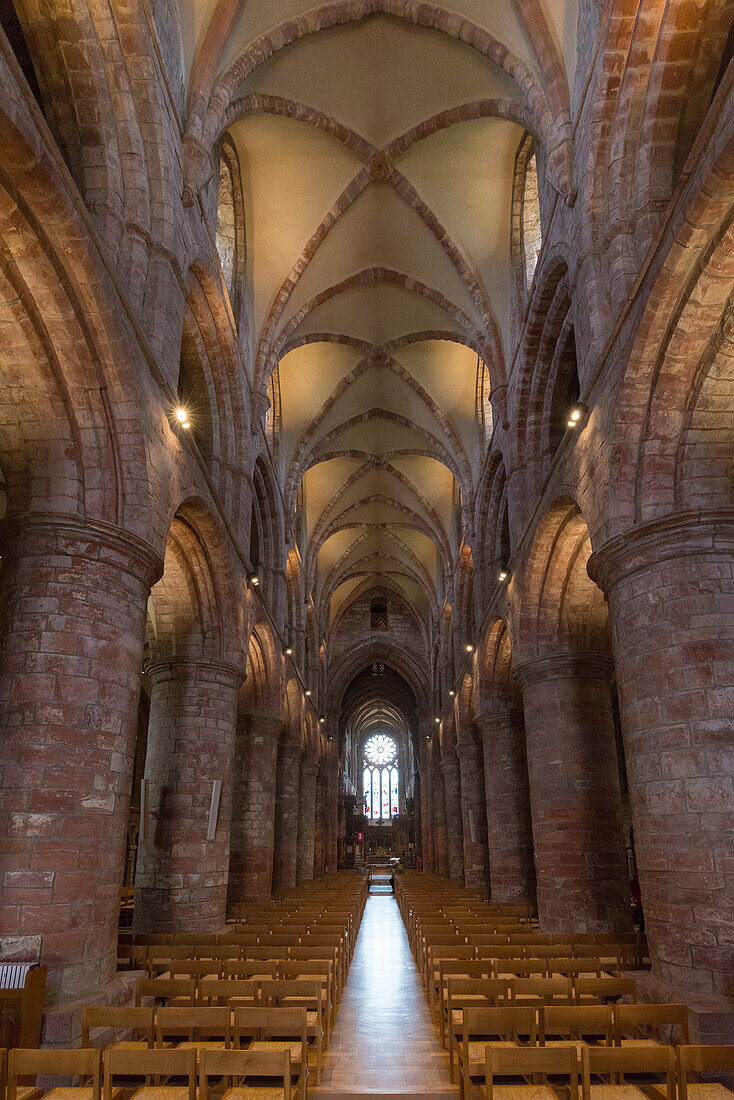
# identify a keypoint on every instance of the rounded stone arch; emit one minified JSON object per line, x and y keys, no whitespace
{"x":75,"y":422}
{"x":671,"y":435}
{"x":195,"y":610}
{"x":497,"y":691}
{"x":262,"y":691}
{"x":549,"y":375}
{"x":345,"y":668}
{"x":267,"y":535}
{"x":526,"y":236}
{"x":561,"y":610}
{"x":492,"y":526}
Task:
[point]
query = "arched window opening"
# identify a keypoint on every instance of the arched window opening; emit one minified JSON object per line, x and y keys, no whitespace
{"x":226,"y":224}
{"x":566,"y":390}
{"x":380,"y":778}
{"x":378,"y":613}
{"x":483,"y":403}
{"x":532,"y":234}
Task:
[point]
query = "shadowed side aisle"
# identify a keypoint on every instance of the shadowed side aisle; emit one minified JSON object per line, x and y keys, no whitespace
{"x":384,"y":1041}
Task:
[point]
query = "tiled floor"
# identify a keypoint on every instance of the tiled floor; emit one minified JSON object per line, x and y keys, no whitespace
{"x":384,"y":1041}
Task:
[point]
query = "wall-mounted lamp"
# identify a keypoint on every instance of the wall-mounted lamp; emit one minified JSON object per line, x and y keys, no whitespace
{"x":452,"y":693}
{"x":288,"y":650}
{"x":253,"y":579}
{"x":437,"y":721}
{"x":576,"y":416}
{"x":322,"y":719}
{"x":182,"y":417}
{"x":469,"y":647}
{"x":503,"y":575}
{"x":308,"y":693}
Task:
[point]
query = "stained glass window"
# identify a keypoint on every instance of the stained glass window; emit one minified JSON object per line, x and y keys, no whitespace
{"x":380,"y":778}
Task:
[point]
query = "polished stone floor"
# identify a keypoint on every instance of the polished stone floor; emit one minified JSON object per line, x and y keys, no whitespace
{"x":384,"y":1041}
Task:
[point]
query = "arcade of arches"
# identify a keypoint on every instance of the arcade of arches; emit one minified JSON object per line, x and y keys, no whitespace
{"x":367,"y":459}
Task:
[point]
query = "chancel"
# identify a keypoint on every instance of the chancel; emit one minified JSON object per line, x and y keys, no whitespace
{"x":366,"y":549}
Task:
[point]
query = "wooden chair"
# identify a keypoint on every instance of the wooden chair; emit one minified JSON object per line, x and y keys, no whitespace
{"x":505,"y":1025}
{"x":116,"y":1018}
{"x":464,"y":993}
{"x":156,"y":1067}
{"x":249,"y":969}
{"x":704,"y":1061}
{"x":22,"y":994}
{"x":534,"y":1062}
{"x":598,"y":990}
{"x":220,"y":992}
{"x":544,"y":991}
{"x":320,"y":970}
{"x":522,"y":968}
{"x":565,"y":1025}
{"x":180,"y":992}
{"x":436,"y":955}
{"x":630,"y":1019}
{"x":80,"y":1063}
{"x":245,"y":1074}
{"x":274,"y":1030}
{"x":194,"y":1027}
{"x":300,"y":993}
{"x":619,"y":1062}
{"x":195,"y":968}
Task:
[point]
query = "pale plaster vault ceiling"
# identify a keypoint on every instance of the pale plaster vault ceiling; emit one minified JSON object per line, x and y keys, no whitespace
{"x":377,"y":160}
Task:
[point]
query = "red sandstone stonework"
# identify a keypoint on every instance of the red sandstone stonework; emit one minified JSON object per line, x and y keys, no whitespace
{"x":181,"y":877}
{"x":574,"y":794}
{"x":474,"y":814}
{"x":72,"y":602}
{"x":253,"y":832}
{"x":285,"y":857}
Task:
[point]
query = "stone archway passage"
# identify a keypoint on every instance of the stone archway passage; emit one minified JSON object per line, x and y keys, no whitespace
{"x":384,"y":1041}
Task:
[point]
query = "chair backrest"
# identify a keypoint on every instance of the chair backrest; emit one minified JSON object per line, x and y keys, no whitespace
{"x":629,"y":1018}
{"x":245,"y":968}
{"x":619,"y":1061}
{"x":523,"y":968}
{"x":154,"y":1063}
{"x":228,"y":1064}
{"x":120,"y":1018}
{"x":705,"y":1060}
{"x":219,"y":991}
{"x":195,"y":968}
{"x":564,"y":965}
{"x":506,"y":1021}
{"x":532,"y":1062}
{"x":575,"y":1021}
{"x":603,"y":989}
{"x":545,"y":990}
{"x":81,"y":1062}
{"x":182,"y":990}
{"x":283,"y":1023}
{"x":193,"y":1023}
{"x":300,"y":993}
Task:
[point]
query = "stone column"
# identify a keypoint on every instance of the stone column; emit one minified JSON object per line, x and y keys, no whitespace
{"x":253,"y":811}
{"x":331,"y":813}
{"x":285,"y":856}
{"x":73,"y":597}
{"x":439,"y":811}
{"x":181,"y":875}
{"x":510,"y":833}
{"x":670,"y":588}
{"x":319,"y":841}
{"x":574,"y":793}
{"x":427,"y":851}
{"x":306,"y":821}
{"x":473,"y":814}
{"x":452,"y":800}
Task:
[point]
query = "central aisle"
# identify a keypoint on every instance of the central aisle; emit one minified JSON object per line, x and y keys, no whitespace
{"x":384,"y":1041}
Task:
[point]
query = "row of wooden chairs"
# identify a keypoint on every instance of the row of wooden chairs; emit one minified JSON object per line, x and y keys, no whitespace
{"x":293,"y":1014}
{"x":603,"y":1073}
{"x":235,"y":1074}
{"x":469,"y":1021}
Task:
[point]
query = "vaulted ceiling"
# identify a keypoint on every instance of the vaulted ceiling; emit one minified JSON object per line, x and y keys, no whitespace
{"x":377,"y":156}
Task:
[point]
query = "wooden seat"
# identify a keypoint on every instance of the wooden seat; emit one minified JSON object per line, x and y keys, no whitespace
{"x":300,"y":993}
{"x":564,"y":1025}
{"x":275,"y":1030}
{"x":463,"y":993}
{"x":504,"y":1026}
{"x":630,"y":1020}
{"x":704,"y":1061}
{"x":194,"y":1027}
{"x":245,"y":1074}
{"x":156,"y":1067}
{"x":116,"y":1018}
{"x":618,"y":1063}
{"x":81,"y":1063}
{"x":536,"y":1063}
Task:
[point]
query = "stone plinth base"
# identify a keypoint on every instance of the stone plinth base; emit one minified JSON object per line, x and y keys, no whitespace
{"x":710,"y":1016}
{"x":62,"y":1021}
